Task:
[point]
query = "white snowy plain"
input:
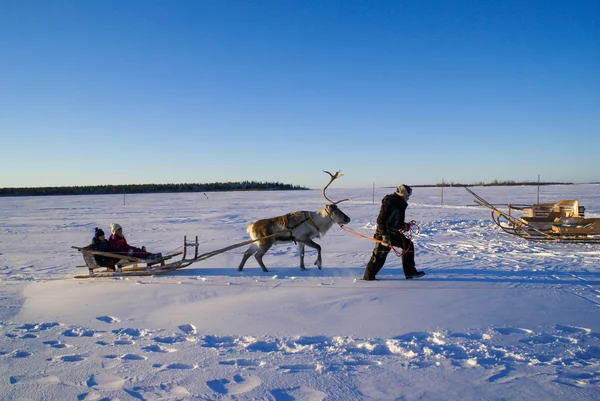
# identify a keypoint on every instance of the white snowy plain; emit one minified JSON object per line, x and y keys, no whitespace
{"x":496,"y":317}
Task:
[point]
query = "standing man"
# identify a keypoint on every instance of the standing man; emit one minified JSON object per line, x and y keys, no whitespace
{"x":390,"y":228}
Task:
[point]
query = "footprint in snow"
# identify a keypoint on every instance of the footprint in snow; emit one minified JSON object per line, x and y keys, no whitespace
{"x":124,"y":342}
{"x":56,"y":344}
{"x":240,"y":384}
{"x":299,"y":368}
{"x":35,"y":379}
{"x":20,"y":354}
{"x":162,"y":391}
{"x":188,"y":328}
{"x":108,"y":319}
{"x":547,"y":339}
{"x":301,"y":393}
{"x":171,"y":339}
{"x":38,"y":326}
{"x":503,"y":374}
{"x":312,"y":340}
{"x":242,"y":363}
{"x":469,"y":336}
{"x":360,"y":362}
{"x":219,"y":342}
{"x":72,"y":358}
{"x":262,"y":346}
{"x":573,"y":329}
{"x":131,"y":332}
{"x":505,"y":331}
{"x":158,"y":348}
{"x":105,"y":382}
{"x":180,"y":366}
{"x":591,"y":353}
{"x":78,"y":332}
{"x":133,"y":357}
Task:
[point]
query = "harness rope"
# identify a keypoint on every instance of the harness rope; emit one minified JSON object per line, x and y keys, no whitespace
{"x":411,"y":233}
{"x":239,"y":244}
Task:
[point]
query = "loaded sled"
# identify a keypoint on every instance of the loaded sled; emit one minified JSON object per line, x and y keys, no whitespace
{"x":561,"y":221}
{"x":108,"y":264}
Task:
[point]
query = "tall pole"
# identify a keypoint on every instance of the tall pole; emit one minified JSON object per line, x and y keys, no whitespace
{"x":538,"y":194}
{"x":442,"y":191}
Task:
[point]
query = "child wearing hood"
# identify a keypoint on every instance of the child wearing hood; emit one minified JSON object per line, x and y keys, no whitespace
{"x":118,"y":244}
{"x":100,"y":243}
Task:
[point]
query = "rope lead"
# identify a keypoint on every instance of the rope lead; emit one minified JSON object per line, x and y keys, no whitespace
{"x":411,"y":233}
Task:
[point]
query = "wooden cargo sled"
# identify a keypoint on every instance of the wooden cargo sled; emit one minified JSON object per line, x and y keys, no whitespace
{"x":561,"y":221}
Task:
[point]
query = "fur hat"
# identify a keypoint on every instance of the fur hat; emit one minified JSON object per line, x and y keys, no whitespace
{"x":404,"y":190}
{"x":98,"y":232}
{"x":114,"y":227}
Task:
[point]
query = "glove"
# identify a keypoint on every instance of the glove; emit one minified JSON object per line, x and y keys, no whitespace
{"x":130,"y":252}
{"x":385,"y":241}
{"x":408,"y":225}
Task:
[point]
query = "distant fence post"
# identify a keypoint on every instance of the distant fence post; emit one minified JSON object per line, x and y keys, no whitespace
{"x":442,"y":191}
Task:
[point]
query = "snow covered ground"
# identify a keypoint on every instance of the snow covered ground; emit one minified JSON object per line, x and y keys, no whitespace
{"x":496,"y":317}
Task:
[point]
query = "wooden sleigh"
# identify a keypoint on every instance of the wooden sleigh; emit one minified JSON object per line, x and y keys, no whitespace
{"x":125,"y":265}
{"x":108,"y":264}
{"x":561,"y":221}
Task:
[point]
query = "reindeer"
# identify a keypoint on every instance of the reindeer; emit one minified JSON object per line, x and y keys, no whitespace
{"x":300,"y":227}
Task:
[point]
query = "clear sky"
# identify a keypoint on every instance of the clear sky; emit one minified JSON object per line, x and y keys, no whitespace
{"x":144,"y":91}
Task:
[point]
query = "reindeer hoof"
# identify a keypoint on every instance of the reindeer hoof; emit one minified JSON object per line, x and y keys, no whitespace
{"x":240,"y":269}
{"x":265,"y":270}
{"x":303,"y":268}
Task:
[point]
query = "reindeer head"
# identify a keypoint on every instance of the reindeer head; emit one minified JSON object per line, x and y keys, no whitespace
{"x":332,"y":210}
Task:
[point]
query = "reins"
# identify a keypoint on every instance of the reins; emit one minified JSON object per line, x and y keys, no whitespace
{"x":411,"y":233}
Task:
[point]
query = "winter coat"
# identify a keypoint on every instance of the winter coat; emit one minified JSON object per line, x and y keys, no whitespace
{"x":120,"y":245}
{"x":98,"y":245}
{"x":391,"y":215}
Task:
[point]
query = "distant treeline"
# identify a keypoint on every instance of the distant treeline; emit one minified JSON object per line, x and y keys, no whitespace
{"x":499,"y":183}
{"x":150,"y":188}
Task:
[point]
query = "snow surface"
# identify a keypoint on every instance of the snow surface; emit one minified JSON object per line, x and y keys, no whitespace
{"x":496,"y":317}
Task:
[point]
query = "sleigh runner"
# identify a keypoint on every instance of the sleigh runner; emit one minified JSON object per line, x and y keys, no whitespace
{"x":561,"y":221}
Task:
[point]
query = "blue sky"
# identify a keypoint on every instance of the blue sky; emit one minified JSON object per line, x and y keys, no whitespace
{"x":130,"y":92}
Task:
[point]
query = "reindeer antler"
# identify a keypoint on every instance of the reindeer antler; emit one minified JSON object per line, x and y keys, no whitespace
{"x":333,"y":177}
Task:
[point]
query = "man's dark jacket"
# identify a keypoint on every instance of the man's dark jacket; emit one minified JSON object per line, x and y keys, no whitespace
{"x":391,"y":215}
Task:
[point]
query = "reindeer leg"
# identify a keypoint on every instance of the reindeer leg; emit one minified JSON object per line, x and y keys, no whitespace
{"x":262,"y":249}
{"x":313,"y":244}
{"x":249,"y":252}
{"x":301,"y":253}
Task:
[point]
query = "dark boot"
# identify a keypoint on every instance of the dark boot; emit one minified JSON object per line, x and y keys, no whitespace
{"x":416,"y":275}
